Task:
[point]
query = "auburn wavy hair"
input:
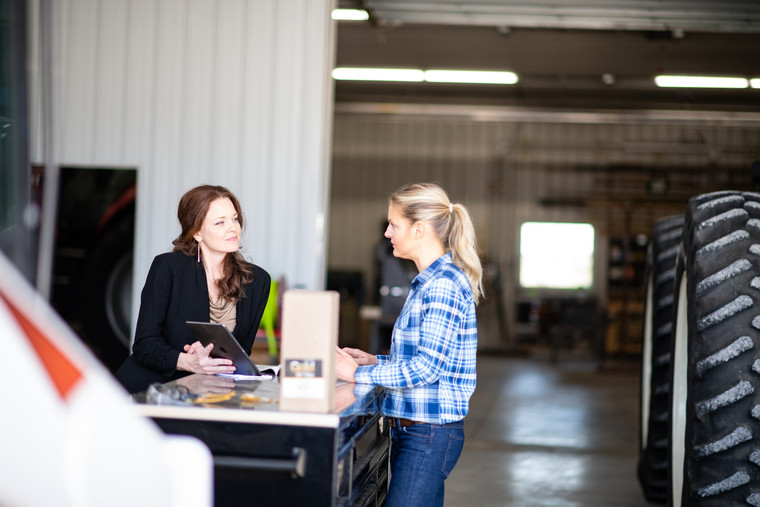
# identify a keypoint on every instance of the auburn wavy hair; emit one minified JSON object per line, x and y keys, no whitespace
{"x":191,"y":212}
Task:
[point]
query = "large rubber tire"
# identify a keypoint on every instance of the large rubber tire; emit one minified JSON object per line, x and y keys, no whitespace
{"x":655,"y":359}
{"x":107,"y":291}
{"x":714,"y":427}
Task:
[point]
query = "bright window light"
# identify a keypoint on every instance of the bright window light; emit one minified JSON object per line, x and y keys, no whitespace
{"x":700,"y":82}
{"x":367,"y":74}
{"x":556,"y":255}
{"x":754,"y":83}
{"x":470,"y":76}
{"x":350,"y":15}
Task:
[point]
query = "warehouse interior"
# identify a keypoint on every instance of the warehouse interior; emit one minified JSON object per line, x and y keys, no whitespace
{"x":584,"y":136}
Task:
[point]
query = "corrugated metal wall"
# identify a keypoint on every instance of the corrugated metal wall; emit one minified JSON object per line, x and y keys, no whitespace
{"x":509,"y":172}
{"x":233,"y":92}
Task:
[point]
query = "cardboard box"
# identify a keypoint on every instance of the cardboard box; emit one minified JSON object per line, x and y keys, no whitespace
{"x":310,"y":321}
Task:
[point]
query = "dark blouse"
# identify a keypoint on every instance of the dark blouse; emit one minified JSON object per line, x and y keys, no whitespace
{"x":175,"y":291}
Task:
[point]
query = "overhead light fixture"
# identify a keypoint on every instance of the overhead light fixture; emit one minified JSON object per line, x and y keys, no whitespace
{"x":369,"y":74}
{"x":417,"y":75}
{"x":755,"y":83}
{"x":700,"y":82}
{"x":350,"y":15}
{"x":470,"y":76}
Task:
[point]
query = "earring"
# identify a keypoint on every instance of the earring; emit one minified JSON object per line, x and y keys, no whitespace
{"x":199,"y":252}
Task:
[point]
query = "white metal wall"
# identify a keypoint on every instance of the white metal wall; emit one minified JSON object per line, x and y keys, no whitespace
{"x":230,"y":92}
{"x":503,"y":170}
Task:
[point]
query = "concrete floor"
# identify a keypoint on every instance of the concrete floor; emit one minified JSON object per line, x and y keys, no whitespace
{"x":550,"y":434}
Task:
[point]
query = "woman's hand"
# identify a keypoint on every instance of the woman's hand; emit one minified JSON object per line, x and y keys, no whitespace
{"x":197,"y":359}
{"x":348,"y":360}
{"x":345,"y":366}
{"x":195,"y":347}
{"x":362,"y":358}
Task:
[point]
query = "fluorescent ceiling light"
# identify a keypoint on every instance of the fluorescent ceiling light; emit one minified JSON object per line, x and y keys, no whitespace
{"x":368,"y":74}
{"x":470,"y":76}
{"x":700,"y":82}
{"x":754,"y":83}
{"x":417,"y":75}
{"x":350,"y":15}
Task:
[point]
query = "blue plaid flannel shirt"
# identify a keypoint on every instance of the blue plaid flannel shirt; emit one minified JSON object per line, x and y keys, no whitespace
{"x":429,"y":375}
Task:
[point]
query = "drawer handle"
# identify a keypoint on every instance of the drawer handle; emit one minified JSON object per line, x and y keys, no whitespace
{"x":296,"y":465}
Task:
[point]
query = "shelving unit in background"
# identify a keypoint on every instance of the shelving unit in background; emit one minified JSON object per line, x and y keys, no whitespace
{"x":624,"y":310}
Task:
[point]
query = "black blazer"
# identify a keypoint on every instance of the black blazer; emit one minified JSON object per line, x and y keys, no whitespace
{"x":175,"y":291}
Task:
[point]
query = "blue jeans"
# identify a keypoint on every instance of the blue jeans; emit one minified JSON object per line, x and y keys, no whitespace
{"x":422,"y":457}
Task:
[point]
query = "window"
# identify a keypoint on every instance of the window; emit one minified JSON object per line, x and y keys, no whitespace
{"x":556,"y":255}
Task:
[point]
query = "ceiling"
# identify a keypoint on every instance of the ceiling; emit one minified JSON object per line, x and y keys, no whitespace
{"x":575,"y":55}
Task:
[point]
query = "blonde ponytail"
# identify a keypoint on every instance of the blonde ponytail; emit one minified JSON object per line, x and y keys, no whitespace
{"x":452,"y":223}
{"x":464,"y":248}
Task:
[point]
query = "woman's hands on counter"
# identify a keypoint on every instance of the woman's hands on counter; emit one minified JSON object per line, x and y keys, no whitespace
{"x":348,"y":360}
{"x":196,"y":359}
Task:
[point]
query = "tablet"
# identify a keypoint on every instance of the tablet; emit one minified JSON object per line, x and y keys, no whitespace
{"x":225,"y":345}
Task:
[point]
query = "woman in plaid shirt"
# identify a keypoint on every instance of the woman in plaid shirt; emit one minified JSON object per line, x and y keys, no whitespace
{"x":429,"y":374}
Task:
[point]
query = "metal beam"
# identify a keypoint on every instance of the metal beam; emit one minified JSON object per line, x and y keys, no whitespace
{"x":735,"y":16}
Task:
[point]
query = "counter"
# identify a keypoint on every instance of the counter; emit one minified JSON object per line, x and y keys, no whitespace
{"x":263,"y":454}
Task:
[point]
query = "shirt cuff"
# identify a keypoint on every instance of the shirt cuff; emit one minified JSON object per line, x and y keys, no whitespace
{"x":363,"y":375}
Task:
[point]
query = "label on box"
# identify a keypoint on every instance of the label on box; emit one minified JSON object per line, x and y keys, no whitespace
{"x":303,"y":368}
{"x":302,"y":378}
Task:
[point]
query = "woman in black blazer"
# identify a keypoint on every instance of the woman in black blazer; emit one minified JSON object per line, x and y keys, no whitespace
{"x":204,"y":279}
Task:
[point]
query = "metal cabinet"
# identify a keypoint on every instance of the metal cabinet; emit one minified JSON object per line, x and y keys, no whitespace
{"x":262,"y":454}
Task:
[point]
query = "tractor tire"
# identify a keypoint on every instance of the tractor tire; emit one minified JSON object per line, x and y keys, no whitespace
{"x":714,"y":445}
{"x":655,"y":360}
{"x":107,"y":291}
